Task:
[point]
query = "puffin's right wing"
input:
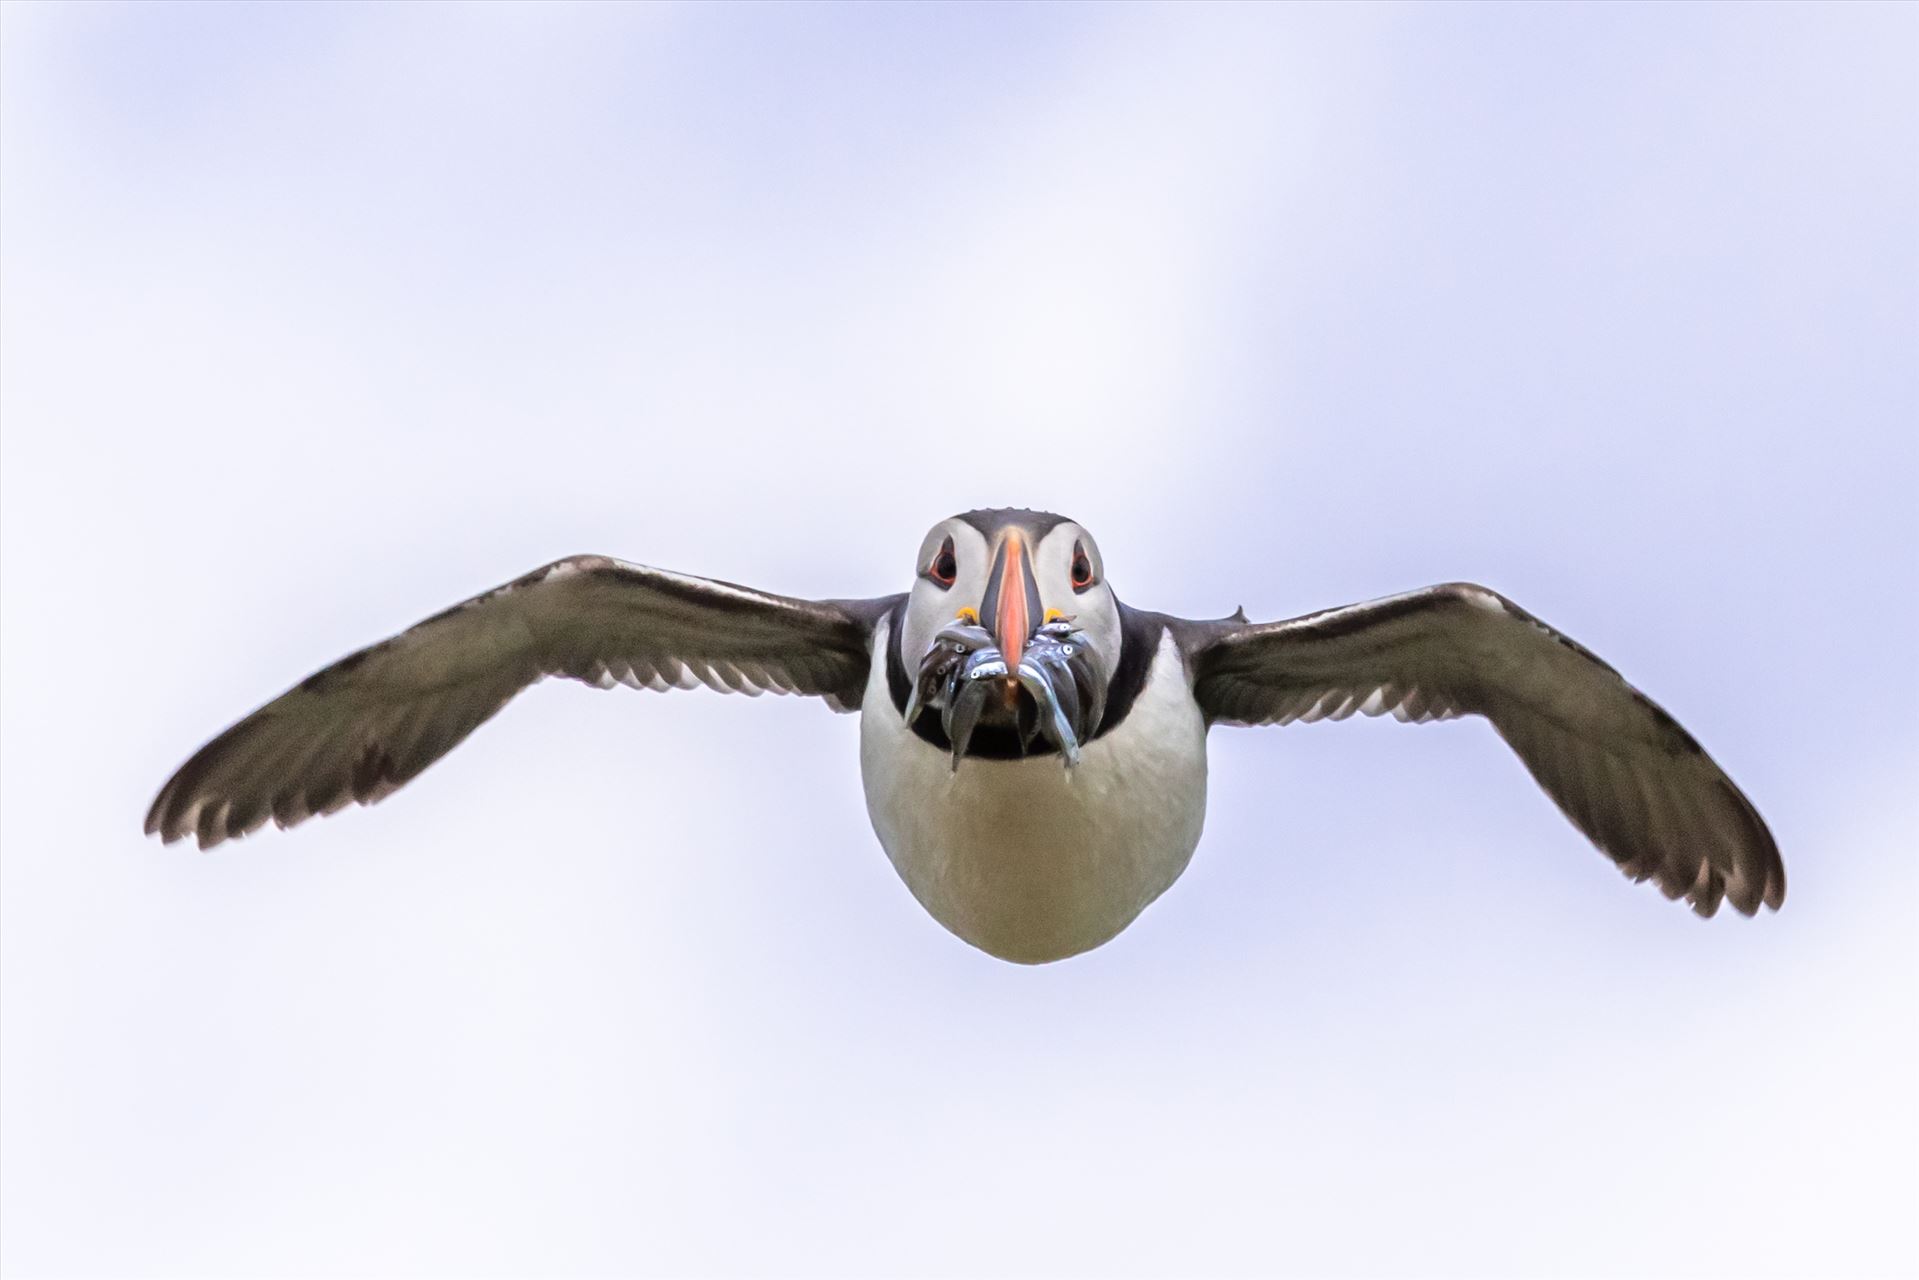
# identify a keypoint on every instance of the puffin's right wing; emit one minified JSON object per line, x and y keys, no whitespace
{"x":359,"y":729}
{"x":1623,"y":770}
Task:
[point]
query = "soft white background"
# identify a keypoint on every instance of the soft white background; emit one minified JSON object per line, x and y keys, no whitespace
{"x":319,"y":318}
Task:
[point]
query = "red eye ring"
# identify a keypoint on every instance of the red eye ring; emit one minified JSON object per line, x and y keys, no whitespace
{"x":1082,"y":568}
{"x":944,"y":567}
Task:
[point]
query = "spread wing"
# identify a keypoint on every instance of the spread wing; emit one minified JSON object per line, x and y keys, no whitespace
{"x":1623,"y":770}
{"x":369,"y":723}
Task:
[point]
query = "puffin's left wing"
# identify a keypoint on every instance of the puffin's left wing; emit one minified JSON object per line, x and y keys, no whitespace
{"x":1623,"y":770}
{"x":359,"y":729}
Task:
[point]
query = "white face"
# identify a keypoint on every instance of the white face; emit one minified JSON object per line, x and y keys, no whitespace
{"x":954,"y":573}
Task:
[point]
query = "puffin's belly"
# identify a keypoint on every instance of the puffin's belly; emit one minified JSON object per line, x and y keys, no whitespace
{"x":1029,"y":860}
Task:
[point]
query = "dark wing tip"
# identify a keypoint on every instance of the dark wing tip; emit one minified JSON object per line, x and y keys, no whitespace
{"x":1762,"y":870}
{"x":164,"y":815}
{"x":183,"y":807}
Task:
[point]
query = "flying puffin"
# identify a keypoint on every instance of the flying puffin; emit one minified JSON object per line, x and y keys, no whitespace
{"x":1033,"y":750}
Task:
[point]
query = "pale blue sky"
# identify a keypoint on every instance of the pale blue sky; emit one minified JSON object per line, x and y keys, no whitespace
{"x":318,"y":318}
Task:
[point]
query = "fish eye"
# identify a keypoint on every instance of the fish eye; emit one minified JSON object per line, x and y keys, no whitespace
{"x":944,"y":567}
{"x":1082,"y":568}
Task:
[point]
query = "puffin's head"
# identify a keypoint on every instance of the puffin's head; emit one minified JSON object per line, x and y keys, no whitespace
{"x":1010,"y":628}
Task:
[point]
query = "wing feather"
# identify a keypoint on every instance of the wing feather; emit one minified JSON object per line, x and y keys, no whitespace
{"x":1621,"y":769}
{"x":358,"y":730}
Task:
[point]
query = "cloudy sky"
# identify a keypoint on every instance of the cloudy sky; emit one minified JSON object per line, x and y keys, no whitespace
{"x":318,"y":318}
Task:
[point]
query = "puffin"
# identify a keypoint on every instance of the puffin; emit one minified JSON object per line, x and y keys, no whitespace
{"x":1033,"y":750}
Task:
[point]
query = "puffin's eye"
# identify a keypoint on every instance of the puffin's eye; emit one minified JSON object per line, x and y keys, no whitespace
{"x":944,"y":567}
{"x":1082,"y":568}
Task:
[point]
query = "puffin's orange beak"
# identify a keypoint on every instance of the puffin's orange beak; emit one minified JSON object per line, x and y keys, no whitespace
{"x":1012,"y":598}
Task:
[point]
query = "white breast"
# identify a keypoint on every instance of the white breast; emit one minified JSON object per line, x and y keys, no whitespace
{"x":1027,"y":859}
